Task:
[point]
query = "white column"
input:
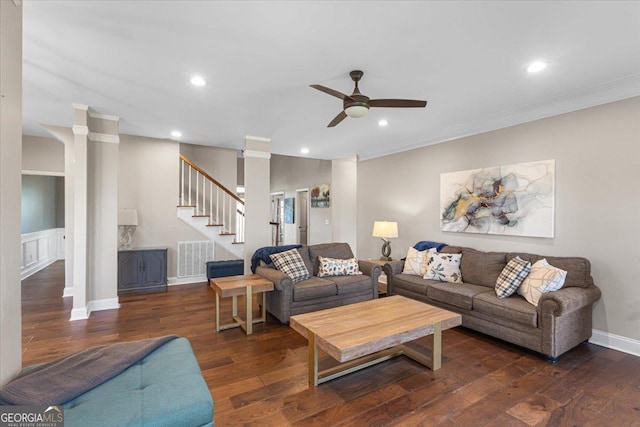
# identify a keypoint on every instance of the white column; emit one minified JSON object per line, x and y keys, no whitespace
{"x":344,"y":190}
{"x":102,"y":212}
{"x":257,"y":178}
{"x":81,"y":133}
{"x":10,"y":188}
{"x":69,"y":179}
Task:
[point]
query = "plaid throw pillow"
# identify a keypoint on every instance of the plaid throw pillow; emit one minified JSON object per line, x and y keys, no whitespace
{"x":512,"y":276}
{"x":291,"y":263}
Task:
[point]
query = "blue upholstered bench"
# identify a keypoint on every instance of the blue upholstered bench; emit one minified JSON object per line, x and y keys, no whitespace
{"x":234,"y":267}
{"x":165,"y":388}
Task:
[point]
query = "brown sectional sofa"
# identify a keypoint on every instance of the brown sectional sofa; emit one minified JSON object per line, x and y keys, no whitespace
{"x":561,"y":321}
{"x":317,"y":293}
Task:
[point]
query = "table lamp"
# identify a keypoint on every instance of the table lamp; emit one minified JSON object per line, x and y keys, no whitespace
{"x":385,"y":230}
{"x":127,"y":223}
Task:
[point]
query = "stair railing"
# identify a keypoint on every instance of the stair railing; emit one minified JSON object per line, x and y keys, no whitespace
{"x":211,"y":200}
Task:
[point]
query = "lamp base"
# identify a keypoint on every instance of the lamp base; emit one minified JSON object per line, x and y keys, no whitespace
{"x":386,"y":250}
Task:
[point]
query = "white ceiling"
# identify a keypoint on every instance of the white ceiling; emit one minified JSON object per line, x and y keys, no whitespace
{"x":468,"y":59}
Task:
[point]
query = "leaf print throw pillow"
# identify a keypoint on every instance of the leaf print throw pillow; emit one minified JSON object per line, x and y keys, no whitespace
{"x":444,"y":267}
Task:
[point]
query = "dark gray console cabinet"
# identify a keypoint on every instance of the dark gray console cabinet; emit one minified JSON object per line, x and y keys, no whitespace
{"x":142,"y":270}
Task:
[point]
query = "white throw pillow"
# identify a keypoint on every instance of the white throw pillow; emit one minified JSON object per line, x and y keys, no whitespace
{"x":416,"y":262}
{"x":542,"y":278}
{"x":443,"y":267}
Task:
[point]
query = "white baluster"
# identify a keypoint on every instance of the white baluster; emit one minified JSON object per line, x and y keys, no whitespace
{"x":211,"y":203}
{"x":189,"y":185}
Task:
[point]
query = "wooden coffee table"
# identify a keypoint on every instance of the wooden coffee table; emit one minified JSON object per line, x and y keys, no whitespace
{"x":232,"y":286}
{"x":363,"y":334}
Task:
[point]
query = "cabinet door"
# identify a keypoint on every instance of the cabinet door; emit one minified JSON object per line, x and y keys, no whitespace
{"x":155,"y":268}
{"x":129,"y":270}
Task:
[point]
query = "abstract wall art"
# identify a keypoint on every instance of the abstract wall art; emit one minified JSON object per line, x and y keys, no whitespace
{"x":515,"y":200}
{"x":289,"y":210}
{"x":320,"y":196}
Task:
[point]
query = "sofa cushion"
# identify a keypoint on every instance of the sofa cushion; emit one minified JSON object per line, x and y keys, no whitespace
{"x":506,"y":310}
{"x":578,"y":269}
{"x":328,"y":250}
{"x":409,"y":282}
{"x":304,"y":253}
{"x":352,"y":284}
{"x":511,"y":277}
{"x":290,"y":263}
{"x":456,"y":294}
{"x":312,"y":288}
{"x":481,"y":268}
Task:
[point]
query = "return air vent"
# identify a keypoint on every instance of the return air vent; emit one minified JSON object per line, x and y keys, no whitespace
{"x":193,"y":257}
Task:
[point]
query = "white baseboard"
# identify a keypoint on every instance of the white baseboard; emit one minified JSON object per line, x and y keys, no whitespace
{"x":79,"y":314}
{"x":35,"y":267}
{"x":615,"y":342}
{"x":103,"y":304}
{"x":67,"y":292}
{"x":173,"y":281}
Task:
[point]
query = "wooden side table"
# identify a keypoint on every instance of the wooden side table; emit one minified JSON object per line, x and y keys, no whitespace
{"x":233,"y":286}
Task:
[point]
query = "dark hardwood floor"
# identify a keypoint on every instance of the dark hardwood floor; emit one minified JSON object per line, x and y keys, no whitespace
{"x":262,"y":379}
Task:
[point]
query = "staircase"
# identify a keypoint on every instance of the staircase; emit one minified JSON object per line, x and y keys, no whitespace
{"x":211,"y":208}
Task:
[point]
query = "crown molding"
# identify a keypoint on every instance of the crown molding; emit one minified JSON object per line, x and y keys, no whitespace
{"x":104,"y":137}
{"x":256,"y":154}
{"x":82,"y":107}
{"x":103,"y":116}
{"x":257,"y":138}
{"x":612,"y":91}
{"x":80,"y":130}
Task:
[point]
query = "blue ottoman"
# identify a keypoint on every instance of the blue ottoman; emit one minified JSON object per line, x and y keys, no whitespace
{"x":165,"y":388}
{"x":234,"y":267}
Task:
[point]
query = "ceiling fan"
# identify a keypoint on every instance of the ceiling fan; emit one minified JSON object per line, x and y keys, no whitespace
{"x":357,"y":105}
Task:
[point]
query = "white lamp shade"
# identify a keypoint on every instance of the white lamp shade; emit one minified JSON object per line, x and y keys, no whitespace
{"x":127,"y":217}
{"x":385,"y":229}
{"x":356,"y":111}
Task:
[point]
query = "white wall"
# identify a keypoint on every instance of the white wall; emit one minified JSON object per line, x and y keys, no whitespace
{"x":291,"y":173}
{"x":10,"y":168}
{"x":596,"y":202}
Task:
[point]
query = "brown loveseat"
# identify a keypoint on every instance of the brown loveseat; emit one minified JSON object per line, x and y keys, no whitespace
{"x":561,"y":321}
{"x":317,"y":293}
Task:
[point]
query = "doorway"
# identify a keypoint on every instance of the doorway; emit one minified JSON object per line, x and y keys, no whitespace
{"x":302,"y":201}
{"x":277,"y":218}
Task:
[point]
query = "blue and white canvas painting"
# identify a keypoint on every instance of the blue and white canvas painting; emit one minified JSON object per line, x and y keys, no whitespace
{"x":515,"y":200}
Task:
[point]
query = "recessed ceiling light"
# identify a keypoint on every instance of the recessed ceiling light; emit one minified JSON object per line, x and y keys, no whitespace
{"x":534,"y":67}
{"x":304,"y":150}
{"x":383,"y":123}
{"x":198,"y":81}
{"x":176,"y":134}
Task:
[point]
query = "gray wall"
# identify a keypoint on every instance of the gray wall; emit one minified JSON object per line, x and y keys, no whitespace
{"x":42,"y":154}
{"x":148,"y":181}
{"x":596,"y":203}
{"x":290,"y":173}
{"x":42,"y":203}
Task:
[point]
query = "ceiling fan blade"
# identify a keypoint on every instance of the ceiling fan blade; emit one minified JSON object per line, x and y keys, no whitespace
{"x":340,"y":117}
{"x":397,"y":103}
{"x":332,"y":92}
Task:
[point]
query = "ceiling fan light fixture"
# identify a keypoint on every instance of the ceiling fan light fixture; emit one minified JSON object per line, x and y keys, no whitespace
{"x":356,"y":111}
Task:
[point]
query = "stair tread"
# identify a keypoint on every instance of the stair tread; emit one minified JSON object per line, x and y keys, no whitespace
{"x":215,"y":225}
{"x":227,"y":234}
{"x":199,"y":216}
{"x":186,"y":206}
